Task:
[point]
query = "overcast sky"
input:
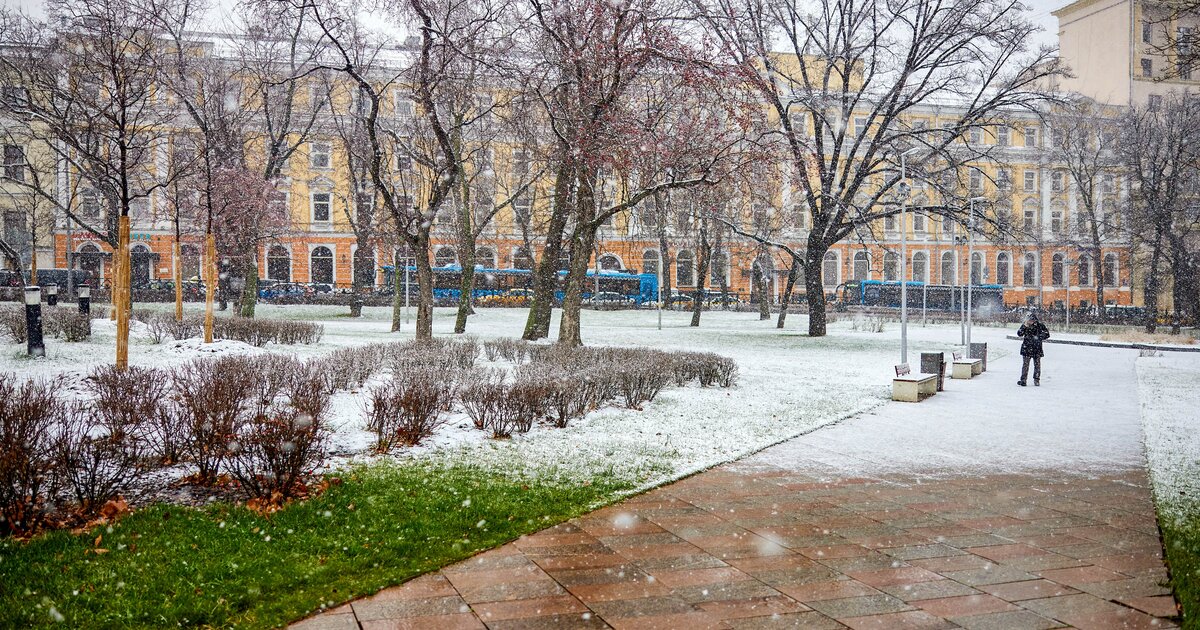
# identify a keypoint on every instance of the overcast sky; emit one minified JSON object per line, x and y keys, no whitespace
{"x":1041,"y":13}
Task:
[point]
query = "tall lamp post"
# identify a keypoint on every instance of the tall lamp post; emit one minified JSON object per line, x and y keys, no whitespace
{"x":904,"y":189}
{"x":971,"y":265}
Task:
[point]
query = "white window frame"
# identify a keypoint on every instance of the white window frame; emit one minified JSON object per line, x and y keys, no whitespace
{"x":312,"y":208}
{"x":315,"y":150}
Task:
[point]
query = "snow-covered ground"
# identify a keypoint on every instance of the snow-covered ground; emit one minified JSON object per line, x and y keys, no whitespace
{"x":789,"y":384}
{"x":1169,"y":387}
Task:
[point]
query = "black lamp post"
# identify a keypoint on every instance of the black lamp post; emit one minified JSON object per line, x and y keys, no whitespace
{"x":33,"y":322}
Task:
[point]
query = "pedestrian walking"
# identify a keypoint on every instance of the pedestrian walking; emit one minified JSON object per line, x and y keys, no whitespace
{"x":1033,"y":332}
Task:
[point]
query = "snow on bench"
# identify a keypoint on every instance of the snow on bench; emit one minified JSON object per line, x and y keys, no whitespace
{"x":965,"y":368}
{"x":909,"y":387}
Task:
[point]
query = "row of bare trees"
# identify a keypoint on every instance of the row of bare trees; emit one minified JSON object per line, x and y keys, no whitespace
{"x":562,"y":114}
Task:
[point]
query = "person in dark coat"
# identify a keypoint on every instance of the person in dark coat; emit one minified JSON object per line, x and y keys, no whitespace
{"x":1033,"y":332}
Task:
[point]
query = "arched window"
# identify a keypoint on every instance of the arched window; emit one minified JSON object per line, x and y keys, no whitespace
{"x":610,"y":262}
{"x":1056,"y":270}
{"x":189,"y":262}
{"x":920,"y":267}
{"x":522,"y":259}
{"x":1085,"y":270}
{"x":685,"y":269}
{"x":1029,"y":275}
{"x":445,"y":257}
{"x":650,"y":261}
{"x":139,"y":264}
{"x":829,"y":269}
{"x":485,"y":257}
{"x":891,"y":266}
{"x":720,"y":269}
{"x":862,"y":266}
{"x":320,"y":266}
{"x":279,"y":264}
{"x":89,"y":258}
{"x":977,"y":275}
{"x":1111,"y":278}
{"x":1002,"y":268}
{"x":948,"y":276}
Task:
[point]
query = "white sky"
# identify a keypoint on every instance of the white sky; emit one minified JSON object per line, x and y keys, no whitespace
{"x":1040,"y":13}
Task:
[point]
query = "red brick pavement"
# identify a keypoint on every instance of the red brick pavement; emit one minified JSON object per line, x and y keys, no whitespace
{"x":740,"y":548}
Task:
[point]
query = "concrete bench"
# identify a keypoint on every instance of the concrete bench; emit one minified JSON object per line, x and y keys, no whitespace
{"x":909,"y":387}
{"x":965,"y":368}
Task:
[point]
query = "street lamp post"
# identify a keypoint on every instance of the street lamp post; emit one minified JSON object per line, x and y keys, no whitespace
{"x":660,"y":291}
{"x":971,"y":266}
{"x":904,"y":188}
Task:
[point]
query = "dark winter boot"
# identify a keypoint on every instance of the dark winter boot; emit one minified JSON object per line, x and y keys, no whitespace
{"x":1021,"y":383}
{"x":1037,"y":382}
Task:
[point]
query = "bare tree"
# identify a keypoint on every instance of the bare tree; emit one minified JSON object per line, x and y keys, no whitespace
{"x":1159,"y":149}
{"x":853,"y":72}
{"x":1085,"y":135}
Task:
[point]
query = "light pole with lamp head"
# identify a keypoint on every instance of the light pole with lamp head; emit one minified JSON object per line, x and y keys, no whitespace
{"x":971,"y":266}
{"x":904,"y":188}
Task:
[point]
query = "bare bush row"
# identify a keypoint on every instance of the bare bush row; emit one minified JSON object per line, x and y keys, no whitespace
{"x":59,"y":322}
{"x":257,"y":332}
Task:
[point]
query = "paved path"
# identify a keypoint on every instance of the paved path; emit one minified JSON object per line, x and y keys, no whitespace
{"x":987,"y":506}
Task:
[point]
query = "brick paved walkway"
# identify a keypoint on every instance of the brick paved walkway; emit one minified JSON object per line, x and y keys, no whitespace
{"x":789,"y":539}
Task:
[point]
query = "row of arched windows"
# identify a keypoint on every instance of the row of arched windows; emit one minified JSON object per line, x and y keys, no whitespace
{"x":980,"y":273}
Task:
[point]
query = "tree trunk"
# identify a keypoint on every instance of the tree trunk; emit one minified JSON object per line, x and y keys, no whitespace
{"x":545,"y":277}
{"x":1152,"y":283}
{"x":364,"y":275}
{"x":425,"y":289}
{"x":701,"y":273}
{"x":398,"y":293}
{"x":122,"y":302}
{"x":764,"y":295}
{"x":786,"y":299}
{"x":664,"y":262}
{"x":210,"y":284}
{"x":249,"y":297}
{"x":814,"y":290}
{"x":177,"y":277}
{"x":718,"y":255}
{"x":582,"y":241}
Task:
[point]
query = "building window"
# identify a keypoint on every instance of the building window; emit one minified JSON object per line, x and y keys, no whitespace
{"x":977,"y":268}
{"x":920,"y":267}
{"x":321,"y":207}
{"x":976,"y":180}
{"x":1147,"y":32}
{"x":685,"y":274}
{"x":1029,"y":275}
{"x":650,"y":261}
{"x":320,"y":266}
{"x":1002,"y":268}
{"x":891,"y":267}
{"x":1147,"y":68}
{"x":1003,"y":135}
{"x":948,"y":268}
{"x":1110,"y":270}
{"x":1030,"y":180}
{"x":1004,"y":179}
{"x":1031,"y":136}
{"x":1056,"y":181}
{"x":445,"y":257}
{"x":319,"y":155}
{"x":720,"y":267}
{"x":522,"y":259}
{"x":889,"y":223}
{"x":14,"y":162}
{"x":862,"y":266}
{"x":1030,"y":212}
{"x":1056,"y":270}
{"x":829,"y":269}
{"x":918,"y":223}
{"x":279,"y":264}
{"x":975,"y":135}
{"x":485,"y":257}
{"x":404,"y":162}
{"x":404,"y":109}
{"x":1056,"y":220}
{"x":609,"y":262}
{"x":1085,"y":271}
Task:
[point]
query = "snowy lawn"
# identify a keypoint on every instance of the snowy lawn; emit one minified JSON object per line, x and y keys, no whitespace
{"x":413,"y":510}
{"x":1169,"y":389}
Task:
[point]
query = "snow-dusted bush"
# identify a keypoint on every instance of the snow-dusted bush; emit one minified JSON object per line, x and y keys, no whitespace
{"x":406,"y":409}
{"x":133,"y":401}
{"x":259,"y":332}
{"x":100,"y":455}
{"x":513,"y":350}
{"x":214,"y":399}
{"x":345,"y":368}
{"x":527,"y":398}
{"x":641,"y":381}
{"x":482,"y":397}
{"x":276,"y":452}
{"x":717,"y":370}
{"x":30,"y":414}
{"x":66,"y":323}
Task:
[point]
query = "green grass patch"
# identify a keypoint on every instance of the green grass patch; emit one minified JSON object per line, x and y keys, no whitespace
{"x":224,"y":566}
{"x":1181,"y":539}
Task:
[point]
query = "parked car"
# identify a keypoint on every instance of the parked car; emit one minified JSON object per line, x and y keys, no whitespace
{"x":283,"y":290}
{"x":719,"y":300}
{"x":511,"y":297}
{"x":608,"y":298}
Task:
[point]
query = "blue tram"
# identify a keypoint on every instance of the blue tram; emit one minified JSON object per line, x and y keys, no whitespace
{"x":941,"y":297}
{"x":447,"y":282}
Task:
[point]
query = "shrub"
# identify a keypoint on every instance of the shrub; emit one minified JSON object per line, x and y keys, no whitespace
{"x":100,"y":456}
{"x":259,"y":332}
{"x":405,"y":409}
{"x":132,"y":401}
{"x":350,"y":367}
{"x":186,"y":328}
{"x":214,"y":399}
{"x":567,"y":399}
{"x":12,"y":323}
{"x":512,"y":350}
{"x":717,"y":370}
{"x":641,"y":381}
{"x":527,"y":398}
{"x":29,"y":474}
{"x":275,"y":452}
{"x":482,"y":397}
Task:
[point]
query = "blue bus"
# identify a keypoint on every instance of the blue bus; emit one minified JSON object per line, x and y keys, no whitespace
{"x":939,"y":297}
{"x":641,"y":288}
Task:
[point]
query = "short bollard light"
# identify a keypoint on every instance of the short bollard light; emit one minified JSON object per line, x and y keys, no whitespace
{"x":52,"y":295}
{"x":33,"y":322}
{"x":85,"y":300}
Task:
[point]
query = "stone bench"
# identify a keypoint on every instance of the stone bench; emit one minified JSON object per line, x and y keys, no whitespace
{"x":909,"y":387}
{"x":965,"y":368}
